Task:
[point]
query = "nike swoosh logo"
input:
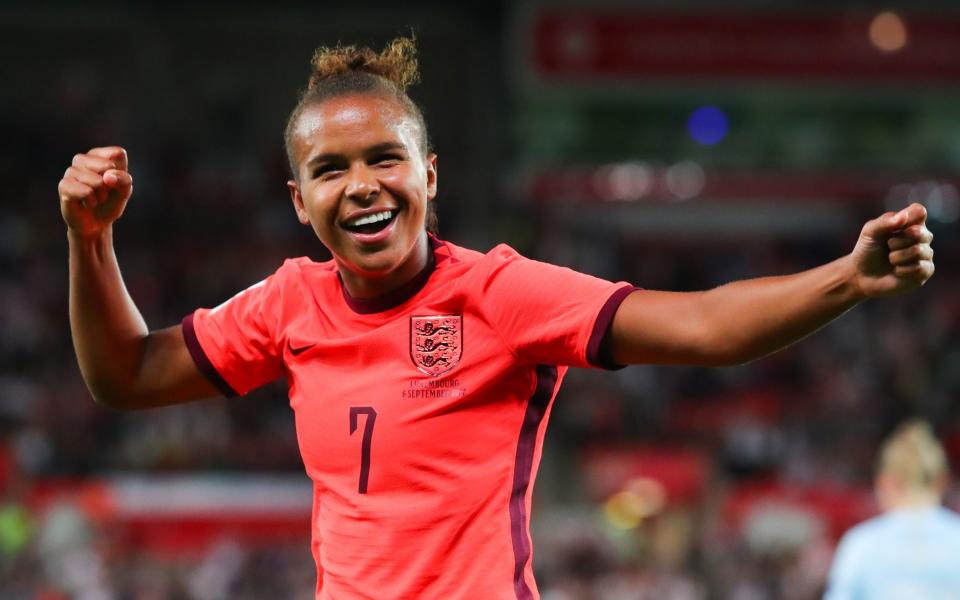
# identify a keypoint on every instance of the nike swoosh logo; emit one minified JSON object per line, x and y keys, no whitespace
{"x":300,"y":350}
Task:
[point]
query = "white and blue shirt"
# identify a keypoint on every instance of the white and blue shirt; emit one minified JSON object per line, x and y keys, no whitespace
{"x":906,"y":554}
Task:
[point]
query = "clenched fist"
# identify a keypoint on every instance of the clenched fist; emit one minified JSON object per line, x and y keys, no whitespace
{"x":95,"y":189}
{"x":893,"y":253}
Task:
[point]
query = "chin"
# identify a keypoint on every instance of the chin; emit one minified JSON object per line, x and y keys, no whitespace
{"x":376,"y":263}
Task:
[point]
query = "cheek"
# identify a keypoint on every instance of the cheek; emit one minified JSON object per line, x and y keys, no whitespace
{"x":412,"y":186}
{"x":322,"y":203}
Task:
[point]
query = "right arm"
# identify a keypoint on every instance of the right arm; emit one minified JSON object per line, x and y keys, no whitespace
{"x":124,"y":364}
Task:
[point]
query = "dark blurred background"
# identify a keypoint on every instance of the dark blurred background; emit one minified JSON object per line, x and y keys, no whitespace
{"x":677,"y":145}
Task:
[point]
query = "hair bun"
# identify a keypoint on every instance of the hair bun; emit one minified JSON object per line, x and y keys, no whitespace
{"x":397,"y":63}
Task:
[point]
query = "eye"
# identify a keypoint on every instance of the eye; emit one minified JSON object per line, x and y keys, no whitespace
{"x":386,"y":159}
{"x":325,"y":171}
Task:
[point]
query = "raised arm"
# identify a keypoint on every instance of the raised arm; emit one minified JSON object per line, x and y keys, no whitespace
{"x":744,"y":320}
{"x":125,"y":365}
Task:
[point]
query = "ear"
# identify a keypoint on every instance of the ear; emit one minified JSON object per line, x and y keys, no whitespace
{"x":298,"y":202}
{"x":941,"y":484}
{"x":431,"y":176}
{"x":887,"y":492}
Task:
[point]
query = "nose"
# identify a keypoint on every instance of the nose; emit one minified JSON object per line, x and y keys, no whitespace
{"x":362,"y":185}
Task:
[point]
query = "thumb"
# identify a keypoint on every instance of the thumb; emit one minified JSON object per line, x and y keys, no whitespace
{"x":117,"y":179}
{"x":886,"y":223}
{"x":916,"y":213}
{"x":119,"y":156}
{"x":119,"y":183}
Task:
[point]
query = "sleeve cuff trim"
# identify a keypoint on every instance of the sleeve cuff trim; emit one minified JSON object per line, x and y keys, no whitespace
{"x":596,"y":356}
{"x":202,"y":361}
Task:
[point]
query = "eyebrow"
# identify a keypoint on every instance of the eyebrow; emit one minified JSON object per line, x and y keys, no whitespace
{"x":372,"y":150}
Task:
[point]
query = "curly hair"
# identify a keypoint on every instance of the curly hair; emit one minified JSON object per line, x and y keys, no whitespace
{"x":397,"y":63}
{"x":344,"y":70}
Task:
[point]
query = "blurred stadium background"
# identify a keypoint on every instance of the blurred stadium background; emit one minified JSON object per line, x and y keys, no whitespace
{"x":677,"y":145}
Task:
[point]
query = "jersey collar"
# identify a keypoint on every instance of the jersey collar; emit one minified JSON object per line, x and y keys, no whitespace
{"x":395,"y":298}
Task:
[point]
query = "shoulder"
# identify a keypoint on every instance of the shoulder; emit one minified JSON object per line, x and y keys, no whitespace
{"x":468,"y":265}
{"x":496,"y":258}
{"x":947,"y":519}
{"x":289,"y":284}
{"x":861,"y":538}
{"x":304,"y":264}
{"x":502,"y":253}
{"x":302,"y":269}
{"x":869,"y":531}
{"x":457,"y":253}
{"x":449,"y":254}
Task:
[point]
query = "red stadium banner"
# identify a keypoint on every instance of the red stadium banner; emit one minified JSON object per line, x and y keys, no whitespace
{"x":835,"y":507}
{"x":625,"y":44}
{"x":186,"y":514}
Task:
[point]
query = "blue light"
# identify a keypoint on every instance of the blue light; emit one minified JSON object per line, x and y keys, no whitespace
{"x":707,"y":125}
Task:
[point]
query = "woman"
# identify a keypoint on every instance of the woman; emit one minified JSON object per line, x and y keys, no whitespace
{"x":912,"y":550}
{"x":421,"y":373}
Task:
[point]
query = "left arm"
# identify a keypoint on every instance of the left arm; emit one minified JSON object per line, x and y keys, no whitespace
{"x":744,"y":320}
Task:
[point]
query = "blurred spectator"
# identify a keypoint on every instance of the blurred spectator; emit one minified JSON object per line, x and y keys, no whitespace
{"x":913,"y":549}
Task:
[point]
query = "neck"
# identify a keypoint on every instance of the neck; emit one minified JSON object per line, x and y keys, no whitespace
{"x":364,"y":287}
{"x":911,"y":501}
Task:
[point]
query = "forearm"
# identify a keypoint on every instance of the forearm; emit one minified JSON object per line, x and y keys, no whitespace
{"x":109,"y":334}
{"x":755,"y":317}
{"x":733,"y":323}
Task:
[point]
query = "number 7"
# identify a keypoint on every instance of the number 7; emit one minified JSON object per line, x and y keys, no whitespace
{"x":367,"y":438}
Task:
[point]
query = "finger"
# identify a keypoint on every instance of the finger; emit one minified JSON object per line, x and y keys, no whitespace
{"x":920,"y":271}
{"x":909,"y":236}
{"x":116,"y":178}
{"x":916,"y":214}
{"x":890,"y":222}
{"x":911,"y":254}
{"x":85,"y":176}
{"x":114,"y":153}
{"x":72,"y":190}
{"x":885,"y":224}
{"x":93,"y":163}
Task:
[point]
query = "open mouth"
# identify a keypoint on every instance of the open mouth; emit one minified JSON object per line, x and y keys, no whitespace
{"x":371,"y":224}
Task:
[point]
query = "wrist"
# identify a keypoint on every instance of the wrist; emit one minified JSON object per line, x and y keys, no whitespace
{"x":97,"y":244}
{"x":90,"y":237}
{"x":852,"y":288}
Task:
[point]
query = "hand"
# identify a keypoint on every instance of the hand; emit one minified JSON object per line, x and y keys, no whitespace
{"x":893,"y":253}
{"x":94,"y":190}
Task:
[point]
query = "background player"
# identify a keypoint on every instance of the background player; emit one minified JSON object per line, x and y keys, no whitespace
{"x":364,"y":178}
{"x":913,"y":549}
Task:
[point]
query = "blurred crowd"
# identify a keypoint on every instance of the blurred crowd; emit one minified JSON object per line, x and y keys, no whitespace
{"x":210,"y":216}
{"x":808,"y":416}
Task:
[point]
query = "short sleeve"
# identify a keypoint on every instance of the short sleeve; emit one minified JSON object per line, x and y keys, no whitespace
{"x":234,"y":344}
{"x":549,"y":314}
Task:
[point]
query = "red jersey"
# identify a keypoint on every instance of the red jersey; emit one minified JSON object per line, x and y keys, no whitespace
{"x":420,"y":416}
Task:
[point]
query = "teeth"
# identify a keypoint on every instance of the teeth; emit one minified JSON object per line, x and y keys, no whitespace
{"x":374,"y":218}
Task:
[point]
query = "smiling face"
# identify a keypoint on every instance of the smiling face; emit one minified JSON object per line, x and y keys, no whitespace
{"x":363,"y":184}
